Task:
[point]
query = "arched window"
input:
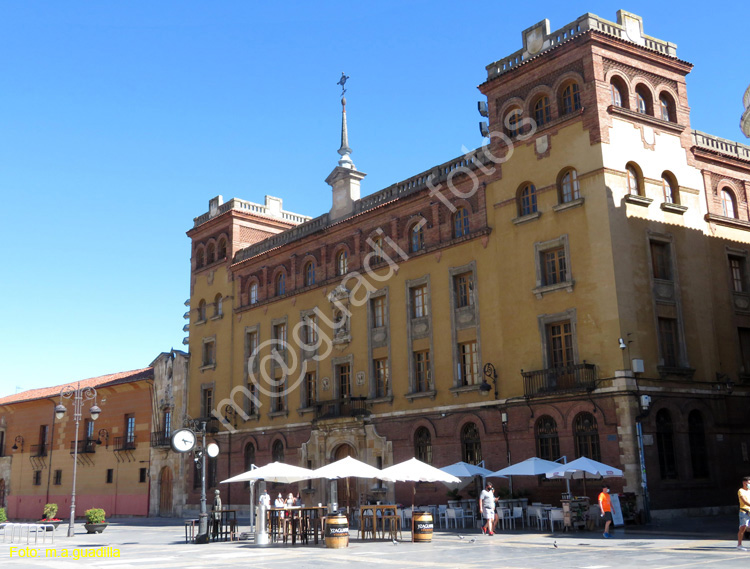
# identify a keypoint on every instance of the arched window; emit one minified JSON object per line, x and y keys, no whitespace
{"x":461,"y":222}
{"x":249,"y":458}
{"x":512,"y":122}
{"x":199,"y":258}
{"x":280,"y":286}
{"x":643,"y":100}
{"x":547,"y":441}
{"x":728,"y":203}
{"x":619,"y":92}
{"x":342,"y":263}
{"x":376,"y":244}
{"x":697,"y":440}
{"x":222,"y":251}
{"x":309,"y":273}
{"x":277,"y":451}
{"x":541,"y":110}
{"x":471,"y":446}
{"x":201,"y":310}
{"x":634,"y":180}
{"x":667,"y":108}
{"x":416,"y":238}
{"x":571,"y":98}
{"x":671,"y":189}
{"x":665,"y":445}
{"x":210,"y":253}
{"x":423,"y":445}
{"x":586,"y":436}
{"x":217,"y":305}
{"x":253,"y":293}
{"x":527,"y":200}
{"x":569,"y":189}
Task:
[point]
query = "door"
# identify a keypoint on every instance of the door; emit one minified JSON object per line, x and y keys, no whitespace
{"x":346,"y":487}
{"x":165,"y":492}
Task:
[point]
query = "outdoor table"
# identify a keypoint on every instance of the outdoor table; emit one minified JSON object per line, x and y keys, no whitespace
{"x":386,"y":511}
{"x":300,"y":520}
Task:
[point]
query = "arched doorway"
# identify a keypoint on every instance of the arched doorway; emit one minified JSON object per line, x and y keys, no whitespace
{"x":165,"y":492}
{"x":346,"y":487}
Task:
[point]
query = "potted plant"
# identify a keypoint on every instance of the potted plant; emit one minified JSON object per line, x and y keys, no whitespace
{"x":3,"y":517}
{"x":50,"y":516}
{"x":95,"y":520}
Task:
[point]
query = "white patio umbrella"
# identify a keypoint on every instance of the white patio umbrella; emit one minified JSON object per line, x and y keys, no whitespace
{"x":274,"y":472}
{"x":414,"y":470}
{"x":466,"y":470}
{"x":530,"y":467}
{"x":347,"y":467}
{"x":583,"y":466}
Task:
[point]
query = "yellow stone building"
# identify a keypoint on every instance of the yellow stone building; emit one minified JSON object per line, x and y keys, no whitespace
{"x":582,"y":276}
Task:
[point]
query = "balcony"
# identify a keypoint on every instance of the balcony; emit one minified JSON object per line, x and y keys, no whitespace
{"x":346,"y":407}
{"x":161,"y":439}
{"x":559,"y":379}
{"x":125,"y":443}
{"x":85,"y":446}
{"x":39,"y":450}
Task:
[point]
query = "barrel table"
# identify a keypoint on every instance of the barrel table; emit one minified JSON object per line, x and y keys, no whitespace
{"x":421,"y":527}
{"x":337,"y":531}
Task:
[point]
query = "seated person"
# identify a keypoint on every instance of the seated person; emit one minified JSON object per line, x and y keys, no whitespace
{"x":290,"y":500}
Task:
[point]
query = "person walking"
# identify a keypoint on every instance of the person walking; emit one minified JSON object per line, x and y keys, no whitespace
{"x":487,"y":507}
{"x":605,"y":505}
{"x":744,"y":496}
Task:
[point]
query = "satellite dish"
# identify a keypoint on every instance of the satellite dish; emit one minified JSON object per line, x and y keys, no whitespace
{"x":482,"y":108}
{"x":484,"y":129}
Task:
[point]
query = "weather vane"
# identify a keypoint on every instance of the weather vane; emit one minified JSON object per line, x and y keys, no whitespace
{"x":342,"y":82}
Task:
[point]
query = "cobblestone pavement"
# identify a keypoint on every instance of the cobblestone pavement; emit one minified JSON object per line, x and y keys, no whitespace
{"x":694,"y":543}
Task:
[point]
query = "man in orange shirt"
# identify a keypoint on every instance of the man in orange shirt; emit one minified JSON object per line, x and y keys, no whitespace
{"x":605,"y":505}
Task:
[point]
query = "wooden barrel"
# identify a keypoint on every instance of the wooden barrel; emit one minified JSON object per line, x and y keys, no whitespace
{"x":422,"y":524}
{"x":337,"y":531}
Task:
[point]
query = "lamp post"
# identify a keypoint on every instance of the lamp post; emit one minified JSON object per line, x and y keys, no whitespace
{"x":78,"y":394}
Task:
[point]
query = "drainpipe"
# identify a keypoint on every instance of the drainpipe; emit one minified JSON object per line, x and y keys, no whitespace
{"x":51,"y":447}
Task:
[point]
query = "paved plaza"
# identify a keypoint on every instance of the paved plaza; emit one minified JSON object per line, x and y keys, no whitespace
{"x":693,"y":543}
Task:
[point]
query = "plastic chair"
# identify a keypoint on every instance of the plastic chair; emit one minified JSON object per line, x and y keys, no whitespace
{"x":536,"y":514}
{"x":450,"y":514}
{"x":518,"y":515}
{"x":556,"y":516}
{"x":503,"y":517}
{"x":442,"y":516}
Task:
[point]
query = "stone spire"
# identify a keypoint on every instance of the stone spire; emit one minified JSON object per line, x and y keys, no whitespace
{"x":345,"y":178}
{"x":344,"y":151}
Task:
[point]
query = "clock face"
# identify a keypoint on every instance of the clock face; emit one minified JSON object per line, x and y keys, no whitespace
{"x":183,"y":440}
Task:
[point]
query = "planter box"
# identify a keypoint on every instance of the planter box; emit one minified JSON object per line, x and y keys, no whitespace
{"x":57,"y":523}
{"x":95,"y":528}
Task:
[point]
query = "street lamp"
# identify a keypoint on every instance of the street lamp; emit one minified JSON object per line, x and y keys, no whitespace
{"x":78,"y":394}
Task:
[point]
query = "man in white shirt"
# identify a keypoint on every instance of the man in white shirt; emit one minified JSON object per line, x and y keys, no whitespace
{"x":487,"y":506}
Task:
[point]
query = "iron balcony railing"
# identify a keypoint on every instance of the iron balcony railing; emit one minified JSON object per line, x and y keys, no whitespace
{"x":84,"y":446}
{"x":559,"y":379}
{"x":160,"y":439}
{"x":39,"y":450}
{"x":345,"y":407}
{"x":125,"y":443}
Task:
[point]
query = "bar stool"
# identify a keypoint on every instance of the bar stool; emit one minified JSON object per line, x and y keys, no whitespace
{"x":392,"y":524}
{"x":367,"y":525}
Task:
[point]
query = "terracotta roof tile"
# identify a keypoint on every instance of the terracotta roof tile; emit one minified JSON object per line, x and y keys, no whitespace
{"x":101,"y":381}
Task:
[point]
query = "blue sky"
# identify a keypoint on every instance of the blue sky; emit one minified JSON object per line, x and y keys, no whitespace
{"x":120,"y":120}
